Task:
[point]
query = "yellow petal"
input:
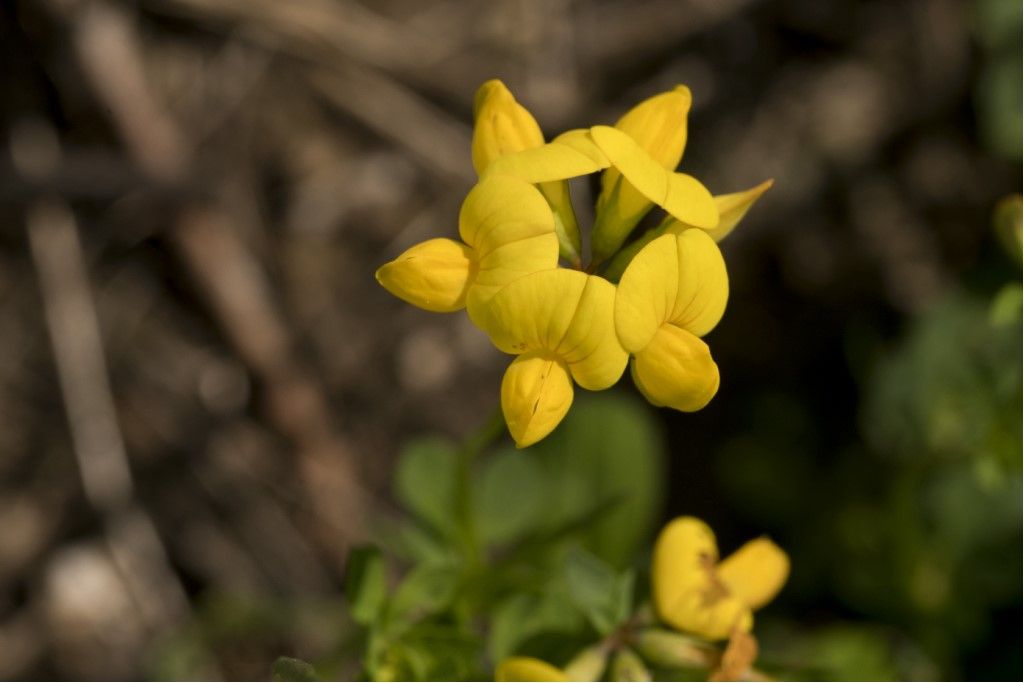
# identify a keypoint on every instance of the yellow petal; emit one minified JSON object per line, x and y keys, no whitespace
{"x":619,"y":209}
{"x":658,"y":124}
{"x":536,"y":393}
{"x":501,"y":209}
{"x":686,"y":593}
{"x":434,"y":275}
{"x":731,"y":209}
{"x":511,"y":229}
{"x":679,"y":194}
{"x":507,"y":264}
{"x":571,"y":154}
{"x":564,"y":312}
{"x":756,"y":572}
{"x":502,"y":125}
{"x":676,"y":370}
{"x":679,"y":279}
{"x":590,"y":345}
{"x":527,"y":669}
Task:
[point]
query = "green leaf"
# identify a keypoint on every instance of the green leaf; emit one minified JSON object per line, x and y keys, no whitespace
{"x":607,"y":448}
{"x":365,"y":584}
{"x":604,"y":596}
{"x":525,"y":615}
{"x":510,"y":495}
{"x":291,"y":669}
{"x":425,"y":481}
{"x":427,"y":589}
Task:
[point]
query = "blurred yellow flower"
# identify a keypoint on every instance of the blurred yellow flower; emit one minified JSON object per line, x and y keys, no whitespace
{"x":696,"y":593}
{"x":673,"y":293}
{"x":528,"y":669}
{"x":560,"y":325}
{"x":508,"y":231}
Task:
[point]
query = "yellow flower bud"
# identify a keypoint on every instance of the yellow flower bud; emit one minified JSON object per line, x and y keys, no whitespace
{"x":672,"y":650}
{"x":527,"y":669}
{"x":589,"y":664}
{"x":627,"y":666}
{"x":434,"y":275}
{"x":502,"y":125}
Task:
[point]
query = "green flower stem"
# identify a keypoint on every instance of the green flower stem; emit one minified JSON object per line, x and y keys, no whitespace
{"x":473,"y":446}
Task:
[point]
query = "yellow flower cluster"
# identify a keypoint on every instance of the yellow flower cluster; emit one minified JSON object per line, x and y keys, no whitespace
{"x":571,"y":324}
{"x":695,"y":594}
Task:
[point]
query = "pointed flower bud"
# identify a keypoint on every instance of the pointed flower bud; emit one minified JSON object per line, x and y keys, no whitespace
{"x":504,"y":127}
{"x":501,"y":125}
{"x":627,"y":666}
{"x":507,"y":231}
{"x":672,"y":650}
{"x":589,"y":664}
{"x":528,"y":669}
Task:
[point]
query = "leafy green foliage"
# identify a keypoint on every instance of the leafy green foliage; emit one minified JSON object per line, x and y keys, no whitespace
{"x":608,"y":449}
{"x":603,"y":595}
{"x":535,"y":542}
{"x":365,"y":584}
{"x":425,"y":482}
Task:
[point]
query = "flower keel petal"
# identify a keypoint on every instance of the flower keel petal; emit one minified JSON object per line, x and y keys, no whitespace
{"x":676,"y":370}
{"x":536,"y":393}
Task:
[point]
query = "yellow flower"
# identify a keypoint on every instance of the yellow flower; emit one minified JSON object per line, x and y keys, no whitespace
{"x":696,"y":593}
{"x":528,"y":669}
{"x":502,"y":127}
{"x":508,"y":232}
{"x":657,"y":129}
{"x":673,"y":293}
{"x":560,"y":324}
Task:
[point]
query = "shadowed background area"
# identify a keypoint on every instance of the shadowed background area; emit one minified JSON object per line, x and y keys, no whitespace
{"x":203,"y":390}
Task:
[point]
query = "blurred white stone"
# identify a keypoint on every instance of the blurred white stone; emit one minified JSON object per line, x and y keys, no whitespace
{"x":96,"y":629}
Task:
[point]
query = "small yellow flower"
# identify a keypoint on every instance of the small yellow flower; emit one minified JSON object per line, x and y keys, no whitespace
{"x":696,"y":593}
{"x":502,"y":127}
{"x":559,"y":323}
{"x":673,"y":293}
{"x":528,"y":669}
{"x":508,"y":232}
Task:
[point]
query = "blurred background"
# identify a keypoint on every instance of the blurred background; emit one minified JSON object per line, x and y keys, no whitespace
{"x":203,"y":391}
